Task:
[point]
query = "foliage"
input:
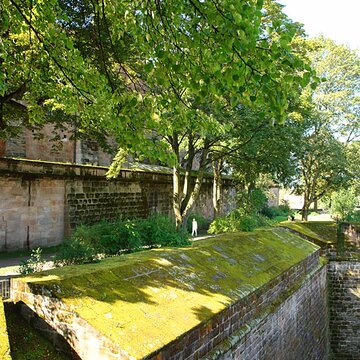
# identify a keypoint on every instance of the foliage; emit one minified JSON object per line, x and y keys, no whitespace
{"x":276,"y":211}
{"x":75,"y":251}
{"x":34,"y":264}
{"x":343,"y":203}
{"x":87,"y":243}
{"x":252,"y":213}
{"x":163,"y":79}
{"x":251,"y":201}
{"x":354,"y":216}
{"x":237,"y":220}
{"x":329,"y":116}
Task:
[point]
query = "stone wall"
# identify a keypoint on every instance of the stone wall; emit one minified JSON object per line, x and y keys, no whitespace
{"x":51,"y":144}
{"x":344,"y":304}
{"x":41,"y":202}
{"x":296,"y":329}
{"x":31,"y":212}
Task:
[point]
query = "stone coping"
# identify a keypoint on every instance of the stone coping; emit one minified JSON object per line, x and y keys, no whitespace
{"x":323,"y":232}
{"x":57,"y":169}
{"x":144,"y":301}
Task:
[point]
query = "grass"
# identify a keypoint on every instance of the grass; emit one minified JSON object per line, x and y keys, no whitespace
{"x":26,"y":343}
{"x":146,"y":300}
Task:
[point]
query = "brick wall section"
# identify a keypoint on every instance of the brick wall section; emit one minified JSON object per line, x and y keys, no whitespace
{"x":41,"y":202}
{"x":208,"y":340}
{"x":297,"y":329}
{"x":344,"y":303}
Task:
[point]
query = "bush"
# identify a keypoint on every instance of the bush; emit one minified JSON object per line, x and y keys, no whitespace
{"x":32,"y":265}
{"x":248,"y":223}
{"x":354,"y":217}
{"x":111,"y":238}
{"x":75,"y":251}
{"x":273,"y":211}
{"x":220,"y":225}
{"x":252,"y":203}
{"x":238,"y":221}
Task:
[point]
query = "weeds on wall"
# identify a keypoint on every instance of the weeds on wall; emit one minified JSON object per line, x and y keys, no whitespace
{"x":89,"y":243}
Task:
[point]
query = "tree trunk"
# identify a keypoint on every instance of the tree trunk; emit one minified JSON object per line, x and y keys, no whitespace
{"x":217,"y":184}
{"x":183,"y":201}
{"x":2,"y":147}
{"x":177,"y":197}
{"x":305,"y":208}
{"x":315,"y":204}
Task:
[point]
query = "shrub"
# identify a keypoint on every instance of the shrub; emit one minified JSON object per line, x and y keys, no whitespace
{"x":111,"y":238}
{"x":237,"y":221}
{"x":75,"y":251}
{"x":220,"y":225}
{"x":354,"y":217}
{"x":273,"y":211}
{"x":253,"y":202}
{"x":248,"y":223}
{"x":33,"y":264}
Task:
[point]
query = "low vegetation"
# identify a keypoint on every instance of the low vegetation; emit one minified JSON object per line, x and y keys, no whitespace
{"x":253,"y":212}
{"x":106,"y":238}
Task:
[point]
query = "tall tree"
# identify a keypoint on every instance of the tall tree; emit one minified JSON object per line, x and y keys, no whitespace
{"x":330,"y":118}
{"x":158,"y":76}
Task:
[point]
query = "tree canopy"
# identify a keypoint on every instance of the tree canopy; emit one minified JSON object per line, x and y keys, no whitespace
{"x":184,"y":80}
{"x":330,"y":119}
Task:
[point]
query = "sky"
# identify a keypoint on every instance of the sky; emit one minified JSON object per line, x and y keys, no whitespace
{"x":336,"y":19}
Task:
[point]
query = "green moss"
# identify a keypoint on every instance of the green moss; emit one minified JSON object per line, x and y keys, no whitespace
{"x":4,"y":339}
{"x":153,"y":297}
{"x":323,"y":231}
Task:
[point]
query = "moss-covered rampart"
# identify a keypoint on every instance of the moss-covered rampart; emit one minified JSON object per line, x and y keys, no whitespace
{"x":322,"y":233}
{"x":170,"y":303}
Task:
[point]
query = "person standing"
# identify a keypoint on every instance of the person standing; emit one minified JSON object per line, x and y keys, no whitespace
{"x":194,"y":228}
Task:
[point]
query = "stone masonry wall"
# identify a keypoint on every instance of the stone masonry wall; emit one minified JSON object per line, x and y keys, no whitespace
{"x":31,"y":212}
{"x":344,"y":303}
{"x":42,"y":202}
{"x":297,"y":329}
